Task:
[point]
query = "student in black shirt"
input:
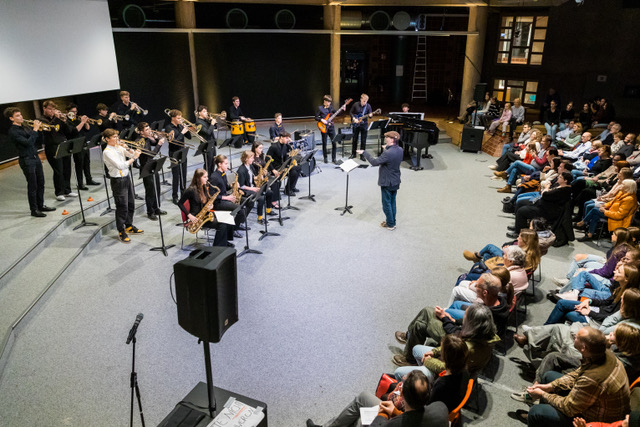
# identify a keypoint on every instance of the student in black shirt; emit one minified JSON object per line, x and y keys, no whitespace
{"x":225,"y":201}
{"x":360,"y":114}
{"x":25,"y":141}
{"x":151,"y":144}
{"x":277,"y":128}
{"x":323,"y":112}
{"x":280,"y":153}
{"x":125,"y":107}
{"x":235,"y":114}
{"x":80,"y":129}
{"x":246,"y":181}
{"x":207,"y":130}
{"x":179,"y":172}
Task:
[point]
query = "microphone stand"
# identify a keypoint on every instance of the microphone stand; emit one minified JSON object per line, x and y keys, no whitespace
{"x":134,"y":380}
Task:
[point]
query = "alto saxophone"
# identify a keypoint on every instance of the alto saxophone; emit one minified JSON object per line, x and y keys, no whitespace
{"x":236,"y":191}
{"x":261,"y":178}
{"x":204,"y":215}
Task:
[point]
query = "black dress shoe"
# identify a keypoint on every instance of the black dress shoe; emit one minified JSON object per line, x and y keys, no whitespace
{"x":295,"y":190}
{"x":512,"y":235}
{"x":243,"y":228}
{"x":152,"y":217}
{"x":237,"y":235}
{"x":161,"y":212}
{"x":38,"y":214}
{"x":231,"y":245}
{"x":92,"y":182}
{"x":83,"y":188}
{"x":47,"y":209}
{"x":312,"y":424}
{"x":290,"y":194}
{"x":175,"y":200}
{"x":511,"y":228}
{"x":272,"y":213}
{"x":326,"y":160}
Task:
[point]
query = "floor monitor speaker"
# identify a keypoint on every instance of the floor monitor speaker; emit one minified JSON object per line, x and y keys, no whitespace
{"x":207,"y":292}
{"x":471,"y":139}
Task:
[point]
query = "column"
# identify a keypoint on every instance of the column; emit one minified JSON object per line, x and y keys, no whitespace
{"x":474,"y":53}
{"x":332,"y":22}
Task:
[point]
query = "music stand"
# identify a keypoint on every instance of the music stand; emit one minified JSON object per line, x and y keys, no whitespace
{"x":379,"y":124}
{"x":65,"y":149}
{"x":279,"y":180}
{"x":266,"y":232}
{"x":97,"y":139}
{"x":307,"y":159}
{"x":243,"y":206}
{"x":227,"y":143}
{"x":348,"y":166}
{"x":340,"y":138}
{"x":180,"y":157}
{"x":151,"y":168}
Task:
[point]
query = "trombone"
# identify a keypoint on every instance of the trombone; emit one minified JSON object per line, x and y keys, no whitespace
{"x":139,"y":145}
{"x":159,"y":135}
{"x":193,"y":130}
{"x":43,"y":126}
{"x":140,"y":110}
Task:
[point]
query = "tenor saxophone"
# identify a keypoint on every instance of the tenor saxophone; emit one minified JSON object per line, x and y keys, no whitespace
{"x":261,"y":178}
{"x":204,"y":215}
{"x":236,"y":191}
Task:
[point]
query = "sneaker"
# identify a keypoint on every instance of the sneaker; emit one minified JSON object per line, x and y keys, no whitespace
{"x":134,"y":230}
{"x":526,"y":328}
{"x":401,"y":337}
{"x":61,"y":198}
{"x":72,"y":194}
{"x":391,"y":228}
{"x":124,"y":238}
{"x":560,"y":281}
{"x":571,"y":295}
{"x":523,"y":397}
{"x":492,"y":167}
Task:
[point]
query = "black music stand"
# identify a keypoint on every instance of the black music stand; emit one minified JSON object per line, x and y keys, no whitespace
{"x":203,"y":149}
{"x":180,"y":157}
{"x":266,"y":232}
{"x":228,"y":142}
{"x":379,"y":124}
{"x":65,"y":149}
{"x":151,"y":168}
{"x":307,"y":159}
{"x":243,"y":206}
{"x":288,"y":194}
{"x":279,"y":179}
{"x":347,"y":207}
{"x":340,"y":138}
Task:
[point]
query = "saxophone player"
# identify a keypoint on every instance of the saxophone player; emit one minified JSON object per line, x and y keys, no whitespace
{"x":225,"y":201}
{"x":198,"y":194}
{"x":246,"y":181}
{"x":280,"y":153}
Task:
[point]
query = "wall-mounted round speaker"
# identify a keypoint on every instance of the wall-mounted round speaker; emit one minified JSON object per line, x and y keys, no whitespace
{"x":401,"y":21}
{"x":133,"y":16}
{"x":379,"y":20}
{"x":237,"y":19}
{"x":285,"y":19}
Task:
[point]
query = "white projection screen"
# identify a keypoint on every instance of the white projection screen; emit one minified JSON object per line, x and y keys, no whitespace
{"x":54,"y":48}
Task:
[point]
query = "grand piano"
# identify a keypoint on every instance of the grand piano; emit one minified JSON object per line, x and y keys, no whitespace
{"x":414,"y":133}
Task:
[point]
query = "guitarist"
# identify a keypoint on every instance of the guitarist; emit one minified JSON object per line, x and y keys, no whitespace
{"x":360,"y":114}
{"x":323,"y":113}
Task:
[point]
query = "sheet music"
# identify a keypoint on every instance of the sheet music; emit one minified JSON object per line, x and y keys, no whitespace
{"x":237,"y":414}
{"x":225,"y":217}
{"x":349,"y":165}
{"x":367,"y":415}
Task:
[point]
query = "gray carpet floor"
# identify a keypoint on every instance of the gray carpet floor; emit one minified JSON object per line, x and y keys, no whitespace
{"x":317,"y":310}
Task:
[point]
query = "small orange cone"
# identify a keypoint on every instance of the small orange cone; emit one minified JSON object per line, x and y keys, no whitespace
{"x":90,"y":199}
{"x":64,"y":212}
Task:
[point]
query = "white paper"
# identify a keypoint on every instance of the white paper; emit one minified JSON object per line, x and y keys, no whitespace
{"x":237,"y":414}
{"x":349,"y":165}
{"x":367,"y":415}
{"x":225,"y":217}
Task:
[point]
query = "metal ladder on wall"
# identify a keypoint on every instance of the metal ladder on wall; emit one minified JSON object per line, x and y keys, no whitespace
{"x":419,"y":89}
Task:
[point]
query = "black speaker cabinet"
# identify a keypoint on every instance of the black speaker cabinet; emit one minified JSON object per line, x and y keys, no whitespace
{"x":207,"y":292}
{"x":479,"y":91}
{"x":306,"y":139}
{"x":471,"y":139}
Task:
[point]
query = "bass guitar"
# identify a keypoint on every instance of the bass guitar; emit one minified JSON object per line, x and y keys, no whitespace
{"x":358,"y":119}
{"x":329,"y":118}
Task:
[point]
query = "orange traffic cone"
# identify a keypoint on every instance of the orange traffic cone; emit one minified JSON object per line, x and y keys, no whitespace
{"x":64,"y":212}
{"x":90,"y":199}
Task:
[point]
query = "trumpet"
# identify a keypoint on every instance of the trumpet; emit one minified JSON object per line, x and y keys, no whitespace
{"x":139,"y":145}
{"x":117,"y":117}
{"x":140,"y":110}
{"x":72,"y":116}
{"x":43,"y":126}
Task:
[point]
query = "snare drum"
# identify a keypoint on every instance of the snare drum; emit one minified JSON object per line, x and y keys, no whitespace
{"x":237,"y":128}
{"x":250,"y":126}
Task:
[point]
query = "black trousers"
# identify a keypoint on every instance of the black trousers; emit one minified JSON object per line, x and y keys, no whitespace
{"x":211,"y":154}
{"x":362,"y":132}
{"x":57,"y":167}
{"x":32,"y":170}
{"x":225,"y":205}
{"x":150,"y":196}
{"x":224,"y":232}
{"x":125,"y":203}
{"x":82,"y":163}
{"x":292,"y":179}
{"x":267,"y":195}
{"x":331,"y":133}
{"x":178,"y":179}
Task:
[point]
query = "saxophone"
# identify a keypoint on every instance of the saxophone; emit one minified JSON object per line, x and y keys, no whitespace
{"x":236,"y":191}
{"x":261,"y":178}
{"x":292,"y":163}
{"x":204,"y":215}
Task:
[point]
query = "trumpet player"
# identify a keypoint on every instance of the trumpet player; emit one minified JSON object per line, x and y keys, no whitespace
{"x":208,"y":124}
{"x":179,"y":172}
{"x":105,"y":118}
{"x":117,"y":159}
{"x":126,"y":108}
{"x":61,"y":167}
{"x":151,"y":144}
{"x":197,"y":194}
{"x":25,"y":141}
{"x":80,"y":128}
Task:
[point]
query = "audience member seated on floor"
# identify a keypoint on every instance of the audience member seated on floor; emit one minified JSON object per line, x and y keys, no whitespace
{"x":582,"y":147}
{"x":631,"y":420}
{"x":549,"y":206}
{"x":446,"y":367}
{"x":414,"y":394}
{"x":527,"y":240}
{"x":598,"y":390}
{"x":628,"y":145}
{"x":618,"y":142}
{"x":513,"y":259}
{"x":538,"y":162}
{"x":573,"y":136}
{"x":618,"y":212}
{"x":517,"y":152}
{"x":602,"y":266}
{"x":596,"y":285}
{"x":584,"y":191}
{"x":598,"y":164}
{"x":478,"y":332}
{"x":502,"y":121}
{"x":625,"y":277}
{"x":567,"y":115}
{"x":430,"y":325}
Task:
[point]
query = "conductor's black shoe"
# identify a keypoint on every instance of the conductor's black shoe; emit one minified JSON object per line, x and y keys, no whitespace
{"x":47,"y":209}
{"x":152,"y":217}
{"x":161,"y":212}
{"x":511,"y":227}
{"x":512,"y":235}
{"x":38,"y":214}
{"x":92,"y":182}
{"x":83,"y":188}
{"x":237,"y":235}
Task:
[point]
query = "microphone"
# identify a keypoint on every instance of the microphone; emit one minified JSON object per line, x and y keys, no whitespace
{"x":134,"y":328}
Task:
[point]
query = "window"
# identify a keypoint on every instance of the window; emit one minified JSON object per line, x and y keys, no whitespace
{"x":521,"y":40}
{"x":506,"y":90}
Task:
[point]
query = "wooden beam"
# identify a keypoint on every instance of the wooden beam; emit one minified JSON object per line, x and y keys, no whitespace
{"x":422,"y":3}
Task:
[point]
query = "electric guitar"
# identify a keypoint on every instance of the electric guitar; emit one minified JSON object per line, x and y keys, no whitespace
{"x":358,"y":119}
{"x":329,"y":118}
